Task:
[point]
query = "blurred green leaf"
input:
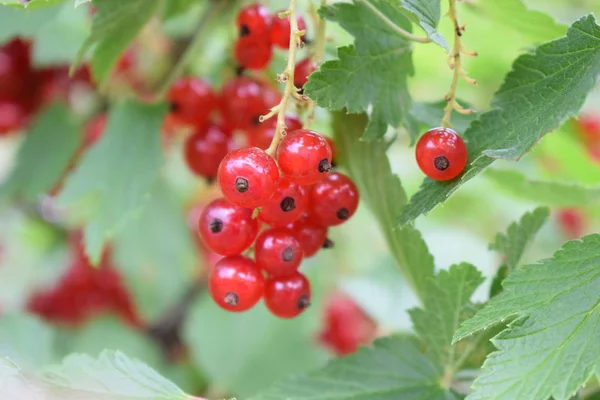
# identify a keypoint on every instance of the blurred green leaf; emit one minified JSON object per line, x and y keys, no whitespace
{"x":119,"y":171}
{"x":431,"y":114}
{"x":45,"y":154}
{"x":553,"y":306}
{"x":371,"y":73}
{"x":26,"y":340}
{"x":425,"y":13}
{"x":17,"y":22}
{"x":30,"y":4}
{"x":174,"y":8}
{"x":382,"y":192}
{"x":538,"y":95}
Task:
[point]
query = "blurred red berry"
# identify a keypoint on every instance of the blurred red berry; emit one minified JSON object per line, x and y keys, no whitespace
{"x":15,"y":68}
{"x":571,"y":223}
{"x":281,"y":30}
{"x":303,"y":69}
{"x":192,"y":101}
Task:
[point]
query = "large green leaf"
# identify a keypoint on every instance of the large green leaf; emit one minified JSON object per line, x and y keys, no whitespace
{"x":426,"y":13}
{"x":119,"y":171}
{"x":538,"y":95}
{"x":552,"y":345}
{"x":26,"y":340}
{"x":382,"y":192}
{"x":371,"y":73}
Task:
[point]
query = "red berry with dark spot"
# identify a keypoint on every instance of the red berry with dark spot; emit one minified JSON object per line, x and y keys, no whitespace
{"x":311,"y":236}
{"x":192,"y":101}
{"x":303,"y":69}
{"x":261,"y":136}
{"x":287,"y":296}
{"x":304,"y":156}
{"x":205,"y":148}
{"x":281,"y":30}
{"x":441,"y":154}
{"x":236,"y":284}
{"x":248,"y":177}
{"x":226,"y":228}
{"x":244,"y":100}
{"x":334,"y":199}
{"x":252,"y":52}
{"x":287,"y":205}
{"x":278,"y":252}
{"x":254,"y":20}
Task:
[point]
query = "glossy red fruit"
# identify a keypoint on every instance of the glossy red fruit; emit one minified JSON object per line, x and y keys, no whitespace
{"x":261,"y":136}
{"x":278,"y":252}
{"x":333,"y":151}
{"x":303,"y":69}
{"x":281,"y":29}
{"x":334,"y":199}
{"x":312,"y":236}
{"x":571,"y":223}
{"x":248,"y":177}
{"x":15,"y":68}
{"x":304,"y":156}
{"x":205,"y":148}
{"x":441,"y":154}
{"x":244,"y":100}
{"x":288,"y":203}
{"x":287,"y":296}
{"x":236,"y":284}
{"x":227,"y":229}
{"x":13,"y":116}
{"x":254,"y":20}
{"x":192,"y":101}
{"x":252,"y":52}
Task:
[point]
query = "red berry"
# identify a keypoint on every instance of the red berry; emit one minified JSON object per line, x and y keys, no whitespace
{"x":227,"y":229}
{"x":94,"y":129}
{"x":261,"y":136}
{"x":571,"y":222}
{"x":333,"y":151}
{"x":281,"y":30}
{"x":205,"y":148}
{"x":287,"y":205}
{"x":244,"y":100}
{"x":304,"y":156}
{"x":589,"y":127}
{"x":441,"y":154}
{"x":15,"y":68}
{"x":248,"y":177}
{"x":192,"y":101}
{"x":253,"y":52}
{"x":254,"y":20}
{"x":278,"y":252}
{"x":334,"y":199}
{"x":236,"y":284}
{"x":312,"y":237}
{"x":287,"y":296}
{"x":303,"y":69}
{"x":13,"y":116}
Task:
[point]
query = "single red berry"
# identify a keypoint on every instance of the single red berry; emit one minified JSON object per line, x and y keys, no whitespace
{"x":205,"y":148}
{"x":278,"y":252}
{"x":281,"y":30}
{"x":304,"y":156}
{"x":334,"y":199}
{"x":192,"y":101}
{"x":303,"y":69}
{"x":312,"y":236}
{"x":13,"y":116}
{"x":254,"y":20}
{"x":248,"y":177}
{"x":571,"y":222}
{"x":244,"y":100}
{"x":588,"y":126}
{"x":15,"y":68}
{"x":287,"y":205}
{"x":287,"y":296}
{"x":333,"y":151}
{"x":252,"y":52}
{"x":226,"y":228}
{"x":236,"y":284}
{"x":441,"y":154}
{"x":261,"y":136}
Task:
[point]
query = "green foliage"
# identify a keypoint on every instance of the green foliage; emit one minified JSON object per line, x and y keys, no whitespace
{"x":174,"y":8}
{"x":30,"y":5}
{"x":372,"y":72}
{"x":430,"y":114}
{"x":26,"y":340}
{"x":553,"y":306}
{"x":18,"y":22}
{"x":425,"y":13}
{"x":538,"y":95}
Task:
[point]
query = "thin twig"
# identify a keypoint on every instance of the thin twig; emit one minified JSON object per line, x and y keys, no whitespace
{"x":392,"y":25}
{"x":317,"y":57}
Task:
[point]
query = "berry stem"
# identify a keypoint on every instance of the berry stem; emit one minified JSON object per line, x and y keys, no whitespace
{"x":392,"y":25}
{"x":317,"y":56}
{"x":455,"y":63}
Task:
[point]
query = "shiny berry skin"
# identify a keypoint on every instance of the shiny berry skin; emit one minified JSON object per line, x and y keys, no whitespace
{"x":248,"y":177}
{"x":192,"y":101}
{"x":304,"y":156}
{"x":311,"y":236}
{"x":278,"y":252}
{"x":303,"y":69}
{"x":244,"y":100}
{"x":441,"y":154}
{"x":205,"y":148}
{"x":287,"y":296}
{"x":236,"y":284}
{"x":334,"y":199}
{"x":288,"y":203}
{"x":254,"y":20}
{"x":281,"y":29}
{"x":227,"y":229}
{"x":253,"y":52}
{"x":261,"y":136}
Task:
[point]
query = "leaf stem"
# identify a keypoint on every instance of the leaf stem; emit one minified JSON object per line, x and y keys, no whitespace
{"x":392,"y":25}
{"x":317,"y":56}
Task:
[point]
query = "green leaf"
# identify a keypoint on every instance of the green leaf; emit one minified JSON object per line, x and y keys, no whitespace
{"x":45,"y":155}
{"x":382,"y":192}
{"x":431,"y":114}
{"x":500,"y":276}
{"x":445,"y":306}
{"x":426,"y":13}
{"x":392,"y":369}
{"x":538,"y":95}
{"x":371,"y":73}
{"x":512,"y":244}
{"x":551,"y":346}
{"x":115,"y":25}
{"x":175,"y":8}
{"x":560,"y":194}
{"x":26,"y":340}
{"x":111,"y":374}
{"x":18,"y":22}
{"x":119,"y":171}
{"x":30,"y":5}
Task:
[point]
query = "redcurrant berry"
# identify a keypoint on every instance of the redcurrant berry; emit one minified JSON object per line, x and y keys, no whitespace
{"x":304,"y":156}
{"x":571,"y":223}
{"x":334,"y":199}
{"x":13,"y":116}
{"x":248,"y":177}
{"x":254,"y":20}
{"x":15,"y":68}
{"x":252,"y":52}
{"x":287,"y":296}
{"x":205,"y":148}
{"x":311,"y":236}
{"x":441,"y":154}
{"x":261,"y":136}
{"x":192,"y":101}
{"x":281,"y":30}
{"x":236,"y":284}
{"x":287,"y":205}
{"x":278,"y":252}
{"x":94,"y":129}
{"x":244,"y":100}
{"x":333,"y":151}
{"x":227,"y":229}
{"x":303,"y":69}
{"x":589,"y":127}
